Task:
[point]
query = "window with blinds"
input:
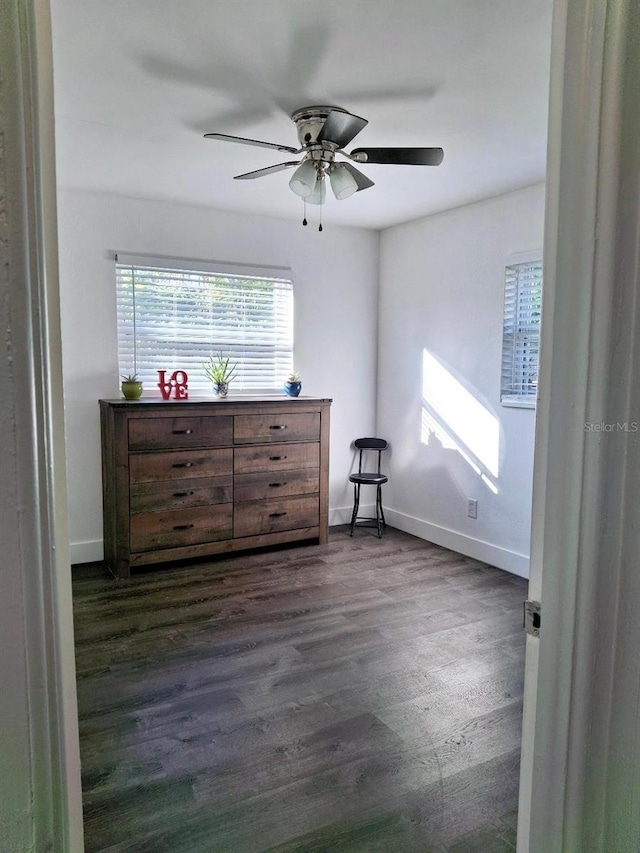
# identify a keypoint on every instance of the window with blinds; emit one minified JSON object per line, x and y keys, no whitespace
{"x":521,"y":333}
{"x":173,"y":314}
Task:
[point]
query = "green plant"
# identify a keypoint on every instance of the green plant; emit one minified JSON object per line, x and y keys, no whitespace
{"x":220,"y":369}
{"x":131,"y":386}
{"x":293,"y":377}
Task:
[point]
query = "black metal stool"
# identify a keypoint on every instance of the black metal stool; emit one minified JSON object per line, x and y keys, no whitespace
{"x":363,"y":478}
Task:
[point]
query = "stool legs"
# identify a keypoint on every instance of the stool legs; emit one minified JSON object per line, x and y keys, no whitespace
{"x":379,"y":513}
{"x":380,"y":522}
{"x":356,"y":504}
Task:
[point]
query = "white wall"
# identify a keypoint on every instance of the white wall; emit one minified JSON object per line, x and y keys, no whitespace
{"x":335,"y":279}
{"x":441,"y":292}
{"x":441,"y":298}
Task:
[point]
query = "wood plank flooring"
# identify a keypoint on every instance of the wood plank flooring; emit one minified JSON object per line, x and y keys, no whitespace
{"x":364,"y":695}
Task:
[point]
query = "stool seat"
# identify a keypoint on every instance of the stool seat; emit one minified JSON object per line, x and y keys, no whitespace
{"x":374,"y":479}
{"x":368,"y":478}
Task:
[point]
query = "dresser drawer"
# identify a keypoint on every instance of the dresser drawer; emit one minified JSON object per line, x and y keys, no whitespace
{"x":257,"y":429}
{"x":269,"y":485}
{"x":160,"y":433}
{"x":153,"y":530}
{"x":276,"y":457}
{"x":179,"y":494}
{"x":150,"y":467}
{"x":255,"y":518}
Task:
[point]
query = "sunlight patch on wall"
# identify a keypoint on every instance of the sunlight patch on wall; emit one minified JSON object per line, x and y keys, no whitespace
{"x":459,"y":420}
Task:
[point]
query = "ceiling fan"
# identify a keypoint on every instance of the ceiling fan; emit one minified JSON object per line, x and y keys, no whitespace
{"x":323,"y":132}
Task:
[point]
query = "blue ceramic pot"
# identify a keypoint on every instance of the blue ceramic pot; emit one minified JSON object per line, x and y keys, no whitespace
{"x":292,"y":388}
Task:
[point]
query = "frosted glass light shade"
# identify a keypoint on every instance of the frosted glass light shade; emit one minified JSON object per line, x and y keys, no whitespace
{"x":343,"y":183}
{"x":304,"y":179}
{"x":318,"y":194}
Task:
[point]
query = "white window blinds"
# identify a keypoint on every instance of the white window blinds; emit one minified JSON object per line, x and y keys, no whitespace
{"x":174,"y":314}
{"x":521,"y":333}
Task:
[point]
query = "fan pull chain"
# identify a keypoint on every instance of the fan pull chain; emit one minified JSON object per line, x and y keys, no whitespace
{"x":320,"y":226}
{"x":304,"y":218}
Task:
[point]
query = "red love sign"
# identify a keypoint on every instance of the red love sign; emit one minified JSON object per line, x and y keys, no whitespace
{"x":177,"y":383}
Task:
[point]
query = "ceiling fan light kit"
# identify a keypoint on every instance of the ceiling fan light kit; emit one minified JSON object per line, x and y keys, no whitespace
{"x":319,"y":193}
{"x":323,"y":132}
{"x":343,"y":183}
{"x":304,"y":179}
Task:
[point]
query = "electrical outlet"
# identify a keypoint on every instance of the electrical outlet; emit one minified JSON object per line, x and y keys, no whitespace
{"x":472,"y":508}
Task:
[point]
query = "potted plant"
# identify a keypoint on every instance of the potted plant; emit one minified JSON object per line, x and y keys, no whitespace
{"x":131,"y":386}
{"x":220,"y":371}
{"x":293,"y":385}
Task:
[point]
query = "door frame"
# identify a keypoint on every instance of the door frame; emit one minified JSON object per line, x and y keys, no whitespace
{"x":579,"y":780}
{"x":571,"y":723}
{"x":40,"y":797}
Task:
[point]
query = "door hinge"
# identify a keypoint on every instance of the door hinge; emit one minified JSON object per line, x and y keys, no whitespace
{"x":532,"y":618}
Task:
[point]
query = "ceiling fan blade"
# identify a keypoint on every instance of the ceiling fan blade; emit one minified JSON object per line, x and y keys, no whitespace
{"x":400,"y":156}
{"x":226,"y":138}
{"x":259,"y":173}
{"x":340,"y":127}
{"x":362,"y":181}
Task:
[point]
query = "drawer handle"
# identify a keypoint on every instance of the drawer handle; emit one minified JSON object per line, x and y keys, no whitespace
{"x":182,"y":526}
{"x":182,"y":465}
{"x":182,"y":431}
{"x":276,"y":514}
{"x":275,"y":485}
{"x":182,"y":494}
{"x":278,"y":426}
{"x":276,"y":458}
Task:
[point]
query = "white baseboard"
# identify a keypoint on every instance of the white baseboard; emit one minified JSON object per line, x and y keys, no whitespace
{"x":342,"y":515}
{"x":510,"y":561}
{"x":86,"y":552}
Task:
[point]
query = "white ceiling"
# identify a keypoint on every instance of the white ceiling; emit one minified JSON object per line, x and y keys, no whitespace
{"x":138,"y":83}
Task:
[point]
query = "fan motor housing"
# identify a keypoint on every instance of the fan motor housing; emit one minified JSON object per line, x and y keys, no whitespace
{"x":309,"y":122}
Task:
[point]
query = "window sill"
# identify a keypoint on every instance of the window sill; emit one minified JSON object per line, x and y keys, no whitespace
{"x":518,"y":402}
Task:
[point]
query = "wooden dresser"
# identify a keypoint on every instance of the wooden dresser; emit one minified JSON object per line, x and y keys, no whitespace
{"x":186,"y":479}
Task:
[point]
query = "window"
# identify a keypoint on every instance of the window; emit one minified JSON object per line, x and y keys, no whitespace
{"x":174,"y":314}
{"x":521,"y":333}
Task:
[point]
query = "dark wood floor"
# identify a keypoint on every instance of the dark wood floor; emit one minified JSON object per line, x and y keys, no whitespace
{"x":365,"y":695}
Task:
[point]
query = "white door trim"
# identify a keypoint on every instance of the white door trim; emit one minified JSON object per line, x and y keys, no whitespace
{"x":578,"y":695}
{"x":40,"y":796}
